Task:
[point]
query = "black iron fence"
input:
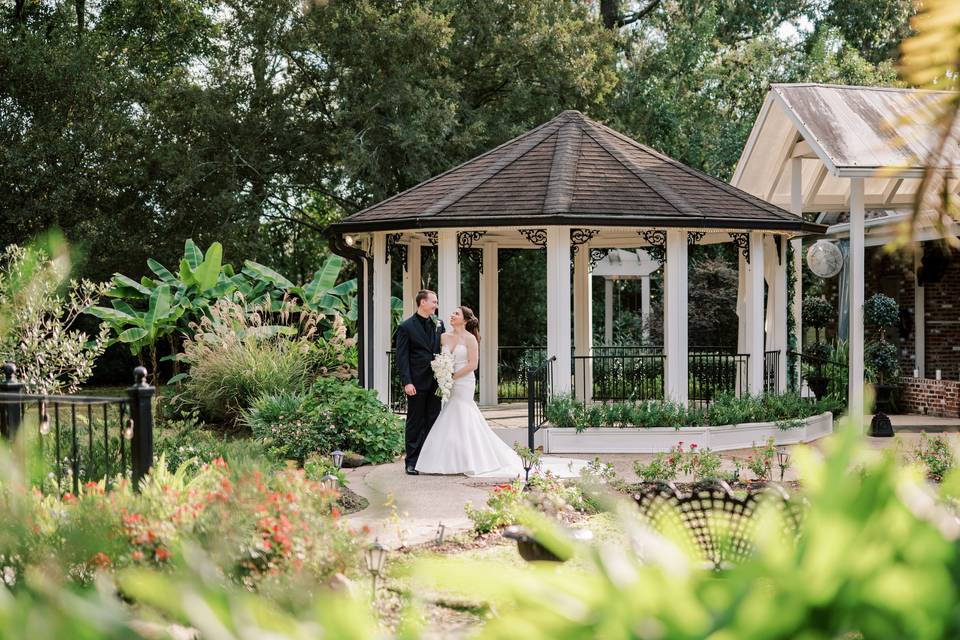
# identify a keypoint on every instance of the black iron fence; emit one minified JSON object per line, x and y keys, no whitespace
{"x":825,"y":377}
{"x":771,"y":372}
{"x":619,"y":373}
{"x":716,"y":371}
{"x":514,"y":364}
{"x":539,"y":388}
{"x":82,"y":438}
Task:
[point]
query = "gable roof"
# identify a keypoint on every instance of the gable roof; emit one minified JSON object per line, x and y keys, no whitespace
{"x":573,"y":171}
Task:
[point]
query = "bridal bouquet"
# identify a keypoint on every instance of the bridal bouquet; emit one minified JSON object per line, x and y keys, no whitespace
{"x":443,"y":371}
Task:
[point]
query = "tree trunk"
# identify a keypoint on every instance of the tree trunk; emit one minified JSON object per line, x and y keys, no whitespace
{"x":81,"y":7}
{"x":18,"y":10}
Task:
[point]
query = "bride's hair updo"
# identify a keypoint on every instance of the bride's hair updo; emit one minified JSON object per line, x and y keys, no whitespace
{"x":470,"y":322}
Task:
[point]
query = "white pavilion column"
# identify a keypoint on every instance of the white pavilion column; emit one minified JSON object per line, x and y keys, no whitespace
{"x":675,"y":318}
{"x":366,"y":328}
{"x":411,"y":279}
{"x":583,"y":324}
{"x":381,"y":316}
{"x":608,"y":311}
{"x":796,"y":206}
{"x":754,"y":314}
{"x":489,"y":318}
{"x":775,"y":273}
{"x":919,"y":315}
{"x":857,"y":215}
{"x":558,"y":306}
{"x":645,"y":307}
{"x":448,"y":273}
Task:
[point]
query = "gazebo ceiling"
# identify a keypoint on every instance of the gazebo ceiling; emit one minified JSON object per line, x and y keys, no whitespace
{"x":574,"y":171}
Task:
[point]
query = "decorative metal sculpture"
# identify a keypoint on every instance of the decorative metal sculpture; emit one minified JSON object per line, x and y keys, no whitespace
{"x":431,"y":237}
{"x":597,"y":254}
{"x":657,"y":239}
{"x":712,"y":522}
{"x":693,"y":237}
{"x":742,"y":241}
{"x":581,"y":236}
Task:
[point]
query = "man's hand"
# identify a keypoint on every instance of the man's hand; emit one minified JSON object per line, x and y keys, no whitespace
{"x":410,"y":390}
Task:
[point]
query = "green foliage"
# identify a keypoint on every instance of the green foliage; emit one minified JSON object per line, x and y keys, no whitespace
{"x":936,"y":455}
{"x":663,"y":468}
{"x":291,"y":425}
{"x":817,"y":312}
{"x":697,"y":463}
{"x":787,"y":410}
{"x":882,"y":361}
{"x":544,"y":493}
{"x":881,"y":311}
{"x":760,"y":460}
{"x":363,"y":424}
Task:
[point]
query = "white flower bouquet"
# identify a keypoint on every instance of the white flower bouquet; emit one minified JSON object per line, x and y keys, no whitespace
{"x":442,"y":366}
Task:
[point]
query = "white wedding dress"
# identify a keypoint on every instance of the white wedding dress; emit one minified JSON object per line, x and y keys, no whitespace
{"x":461,"y":441}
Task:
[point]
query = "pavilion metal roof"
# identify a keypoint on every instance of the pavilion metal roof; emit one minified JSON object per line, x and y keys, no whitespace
{"x":574,"y":171}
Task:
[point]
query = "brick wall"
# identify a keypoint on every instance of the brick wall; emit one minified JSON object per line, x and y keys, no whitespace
{"x":930,"y":397}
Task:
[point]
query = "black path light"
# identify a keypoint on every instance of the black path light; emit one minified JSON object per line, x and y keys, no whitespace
{"x":337,"y":458}
{"x":376,"y":557}
{"x":783,"y":460}
{"x":527,"y":466}
{"x":330,"y":482}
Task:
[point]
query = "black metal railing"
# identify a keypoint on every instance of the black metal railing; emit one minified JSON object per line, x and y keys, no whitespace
{"x":396,"y":398}
{"x":619,"y":374}
{"x":84,"y":438}
{"x":513,"y":366}
{"x":539,"y":389}
{"x":716,"y":371}
{"x":825,"y":377}
{"x":771,"y":372}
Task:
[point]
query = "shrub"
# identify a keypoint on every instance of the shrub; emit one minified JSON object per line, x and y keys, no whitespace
{"x":39,"y":332}
{"x":545,"y":493}
{"x":336,"y":356}
{"x":702,"y":464}
{"x":234,"y":358}
{"x":936,"y":455}
{"x":760,"y":460}
{"x":291,"y":425}
{"x":663,"y":468}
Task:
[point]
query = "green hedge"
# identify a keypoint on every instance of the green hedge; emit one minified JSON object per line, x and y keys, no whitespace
{"x":787,"y":410}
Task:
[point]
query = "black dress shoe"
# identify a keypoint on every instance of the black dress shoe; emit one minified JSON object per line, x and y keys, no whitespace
{"x":411,"y":471}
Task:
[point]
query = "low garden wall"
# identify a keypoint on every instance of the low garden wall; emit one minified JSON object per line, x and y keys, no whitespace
{"x":565,"y":440}
{"x":930,"y":397}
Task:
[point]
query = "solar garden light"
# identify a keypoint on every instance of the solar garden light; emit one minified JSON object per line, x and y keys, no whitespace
{"x":376,"y":557}
{"x":527,"y":465}
{"x":441,"y":529}
{"x":330,"y":482}
{"x":783,"y":460}
{"x":337,"y":458}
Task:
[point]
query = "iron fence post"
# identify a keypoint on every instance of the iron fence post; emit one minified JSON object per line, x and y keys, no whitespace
{"x":141,"y":412}
{"x":11,"y":411}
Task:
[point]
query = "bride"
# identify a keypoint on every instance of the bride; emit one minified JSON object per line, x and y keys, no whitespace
{"x":461,"y":441}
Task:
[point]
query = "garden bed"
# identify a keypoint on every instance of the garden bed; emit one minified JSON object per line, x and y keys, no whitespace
{"x":656,"y":439}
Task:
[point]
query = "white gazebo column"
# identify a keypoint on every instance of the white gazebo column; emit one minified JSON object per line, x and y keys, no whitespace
{"x":608,"y":311}
{"x":857,"y":214}
{"x":796,"y":206}
{"x":919,"y":315}
{"x":754,"y":313}
{"x":448,"y":273}
{"x":380,"y":362}
{"x":558,"y":306}
{"x":411,"y":279}
{"x":583,"y":325}
{"x":675,"y":318}
{"x":775,"y":273}
{"x":645,"y":307}
{"x":489,"y":313}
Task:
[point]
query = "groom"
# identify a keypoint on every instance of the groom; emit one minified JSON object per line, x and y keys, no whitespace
{"x":417,"y":341}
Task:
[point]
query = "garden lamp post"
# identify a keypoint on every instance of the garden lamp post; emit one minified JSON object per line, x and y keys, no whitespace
{"x":783,"y":460}
{"x":337,"y":458}
{"x":330,"y":482}
{"x":441,"y":529}
{"x":527,"y":465}
{"x":376,"y":557}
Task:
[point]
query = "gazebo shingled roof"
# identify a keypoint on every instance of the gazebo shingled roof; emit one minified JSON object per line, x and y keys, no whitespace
{"x":573,"y":170}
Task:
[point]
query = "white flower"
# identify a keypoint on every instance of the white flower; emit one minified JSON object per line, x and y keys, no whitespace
{"x":443,"y":371}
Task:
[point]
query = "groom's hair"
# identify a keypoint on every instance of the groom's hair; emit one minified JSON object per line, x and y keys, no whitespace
{"x":423,"y":293}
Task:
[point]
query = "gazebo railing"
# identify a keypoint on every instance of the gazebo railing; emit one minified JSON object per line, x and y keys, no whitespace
{"x":619,"y":374}
{"x":539,"y":389}
{"x":771,"y":372}
{"x":716,"y":371}
{"x":513,"y":365}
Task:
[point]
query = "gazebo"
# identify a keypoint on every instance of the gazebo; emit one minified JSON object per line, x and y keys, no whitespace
{"x":620,"y":264}
{"x":575,"y":189}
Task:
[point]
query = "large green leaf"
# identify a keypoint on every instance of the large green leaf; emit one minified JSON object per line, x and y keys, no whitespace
{"x":162,"y":272}
{"x":159,"y":308}
{"x":323,"y":279}
{"x":113,"y":316}
{"x":123,"y":307}
{"x":192,"y":254}
{"x":186,"y":273}
{"x":133,"y":334}
{"x":345,"y":289}
{"x":259,"y":272}
{"x":209,"y":270}
{"x":124,"y":287}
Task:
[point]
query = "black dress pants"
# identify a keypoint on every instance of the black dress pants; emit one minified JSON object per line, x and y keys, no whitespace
{"x":422,"y":412}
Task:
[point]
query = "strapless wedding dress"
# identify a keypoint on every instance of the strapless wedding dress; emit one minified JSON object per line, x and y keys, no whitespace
{"x":461,"y":441}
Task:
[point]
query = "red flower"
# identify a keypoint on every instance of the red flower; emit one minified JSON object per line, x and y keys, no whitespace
{"x":335,"y":513}
{"x":693,"y":446}
{"x":100,"y":559}
{"x":161,"y":554}
{"x":137,"y":555}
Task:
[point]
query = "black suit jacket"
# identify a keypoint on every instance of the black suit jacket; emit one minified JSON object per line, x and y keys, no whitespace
{"x":415,"y":348}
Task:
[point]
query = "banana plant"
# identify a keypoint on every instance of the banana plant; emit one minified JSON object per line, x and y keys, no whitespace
{"x":140,"y":330}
